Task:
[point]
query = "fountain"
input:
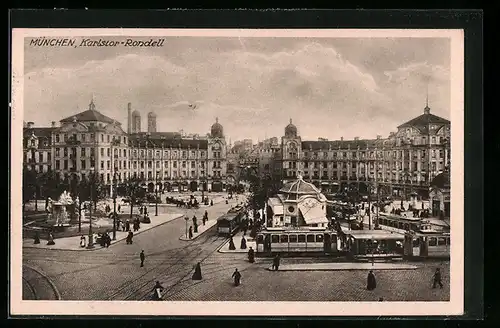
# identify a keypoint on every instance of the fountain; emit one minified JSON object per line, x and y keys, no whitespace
{"x":58,"y":211}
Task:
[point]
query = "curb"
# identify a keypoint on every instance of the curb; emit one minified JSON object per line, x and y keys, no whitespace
{"x":349,"y":269}
{"x":44,"y":276}
{"x":112,"y":244}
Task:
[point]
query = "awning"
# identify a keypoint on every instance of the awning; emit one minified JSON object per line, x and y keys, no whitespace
{"x":278,"y":210}
{"x":313,"y":215}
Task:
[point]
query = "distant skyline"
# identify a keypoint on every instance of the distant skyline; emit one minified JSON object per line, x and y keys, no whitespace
{"x":330,"y":88}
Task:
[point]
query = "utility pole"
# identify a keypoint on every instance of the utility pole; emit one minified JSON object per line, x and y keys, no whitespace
{"x":114,"y":203}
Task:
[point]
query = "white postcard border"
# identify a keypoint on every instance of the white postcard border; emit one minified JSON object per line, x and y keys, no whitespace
{"x":453,"y":307}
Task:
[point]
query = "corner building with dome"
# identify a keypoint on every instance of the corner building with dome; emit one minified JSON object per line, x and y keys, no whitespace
{"x":403,"y":164}
{"x":89,"y":142}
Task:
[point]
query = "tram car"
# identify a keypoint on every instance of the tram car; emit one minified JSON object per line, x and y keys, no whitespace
{"x":229,"y":223}
{"x":422,"y":239}
{"x":303,"y":240}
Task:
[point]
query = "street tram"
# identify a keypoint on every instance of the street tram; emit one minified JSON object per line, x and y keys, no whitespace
{"x":422,"y":239}
{"x":303,"y":240}
{"x":229,"y":223}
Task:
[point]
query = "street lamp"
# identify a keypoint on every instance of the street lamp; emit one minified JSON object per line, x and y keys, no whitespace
{"x":91,"y":235}
{"x":156,"y":194}
{"x":115,"y":180}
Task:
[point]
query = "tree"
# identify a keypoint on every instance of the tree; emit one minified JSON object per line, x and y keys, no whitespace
{"x":134,"y":191}
{"x":29,"y":186}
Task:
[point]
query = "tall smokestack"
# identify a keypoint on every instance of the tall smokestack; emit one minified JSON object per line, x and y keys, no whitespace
{"x":129,"y":118}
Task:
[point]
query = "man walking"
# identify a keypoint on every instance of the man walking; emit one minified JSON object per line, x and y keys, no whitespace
{"x":143,"y":257}
{"x":437,"y":279}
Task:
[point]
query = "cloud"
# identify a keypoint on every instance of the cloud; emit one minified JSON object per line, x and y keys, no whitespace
{"x":253,"y":93}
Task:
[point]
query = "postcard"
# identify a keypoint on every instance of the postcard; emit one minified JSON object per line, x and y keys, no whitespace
{"x":209,"y":172}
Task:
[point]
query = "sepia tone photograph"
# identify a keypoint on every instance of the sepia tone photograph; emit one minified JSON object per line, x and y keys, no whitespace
{"x":237,"y":166}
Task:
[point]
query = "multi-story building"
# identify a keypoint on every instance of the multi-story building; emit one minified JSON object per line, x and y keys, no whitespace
{"x":404,"y":162}
{"x":92,"y":142}
{"x":37,"y":146}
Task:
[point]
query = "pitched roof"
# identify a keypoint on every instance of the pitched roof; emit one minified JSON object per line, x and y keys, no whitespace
{"x":300,"y":187}
{"x":45,"y":132}
{"x":89,"y":115}
{"x":424,"y":120}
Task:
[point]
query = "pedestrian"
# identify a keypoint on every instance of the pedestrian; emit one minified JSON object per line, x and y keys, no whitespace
{"x":371,"y":283}
{"x":232,"y":247}
{"x":141,"y":210}
{"x":157,"y":289}
{"x":51,"y":239}
{"x":108,"y":240}
{"x":145,"y":209}
{"x":243,"y":244}
{"x":276,"y":262}
{"x":437,"y":279}
{"x":127,"y":225}
{"x":143,"y":257}
{"x":119,"y":208}
{"x":129,"y":237}
{"x":211,"y":202}
{"x":251,"y":255}
{"x":83,"y":242}
{"x":197,"y":272}
{"x":122,"y":225}
{"x":237,"y":277}
{"x":190,"y":232}
{"x":37,"y":238}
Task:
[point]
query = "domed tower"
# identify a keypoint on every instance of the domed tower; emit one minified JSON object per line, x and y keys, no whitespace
{"x":291,"y":152}
{"x":217,"y":131}
{"x":151,"y":122}
{"x":291,"y":130}
{"x":217,"y":158}
{"x":136,"y":122}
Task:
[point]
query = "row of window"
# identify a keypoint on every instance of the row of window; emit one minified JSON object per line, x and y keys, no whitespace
{"x":393,"y":154}
{"x":296,"y":238}
{"x":411,"y":166}
{"x":88,"y":137}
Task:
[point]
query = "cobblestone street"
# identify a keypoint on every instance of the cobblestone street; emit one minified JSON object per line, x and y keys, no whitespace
{"x":259,"y":284}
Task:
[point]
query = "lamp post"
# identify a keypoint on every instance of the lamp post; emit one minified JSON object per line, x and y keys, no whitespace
{"x":156,"y":194}
{"x":114,"y":202}
{"x":91,"y":235}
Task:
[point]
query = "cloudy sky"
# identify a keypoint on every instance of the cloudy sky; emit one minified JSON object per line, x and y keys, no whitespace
{"x":330,"y":88}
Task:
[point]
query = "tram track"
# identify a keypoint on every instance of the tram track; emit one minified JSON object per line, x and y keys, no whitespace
{"x":181,"y":256}
{"x":145,"y":292}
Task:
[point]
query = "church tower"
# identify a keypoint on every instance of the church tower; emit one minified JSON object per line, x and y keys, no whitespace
{"x":129,"y":118}
{"x":151,"y":122}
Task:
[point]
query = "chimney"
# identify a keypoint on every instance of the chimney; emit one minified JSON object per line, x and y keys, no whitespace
{"x":341,"y":138}
{"x":53,"y":124}
{"x":29,"y":125}
{"x":391,"y":134}
{"x":379,"y":137}
{"x":356,"y":138}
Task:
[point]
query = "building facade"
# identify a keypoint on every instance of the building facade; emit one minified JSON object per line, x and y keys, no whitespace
{"x":90,"y":142}
{"x":404,"y":162}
